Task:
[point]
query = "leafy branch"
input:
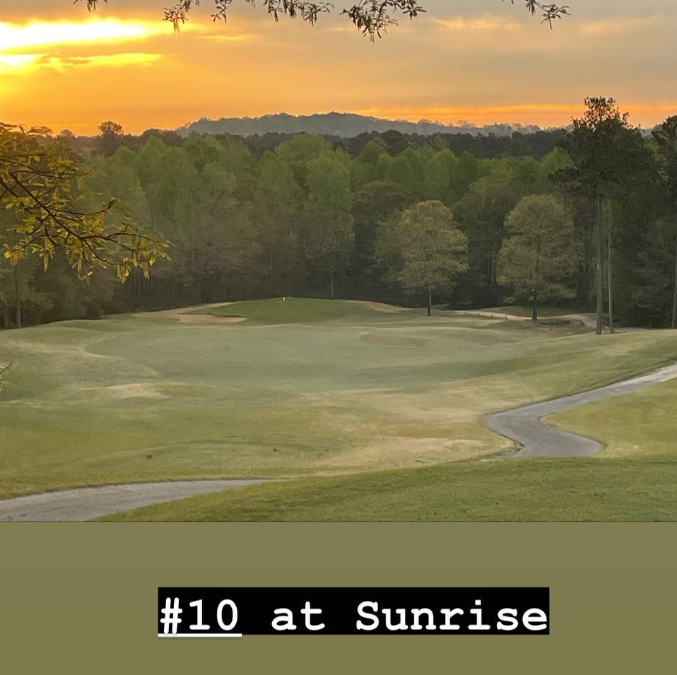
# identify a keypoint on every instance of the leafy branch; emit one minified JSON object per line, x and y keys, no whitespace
{"x":370,"y":17}
{"x":39,"y":182}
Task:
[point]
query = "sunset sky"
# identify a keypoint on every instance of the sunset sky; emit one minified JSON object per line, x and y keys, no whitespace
{"x":476,"y":60}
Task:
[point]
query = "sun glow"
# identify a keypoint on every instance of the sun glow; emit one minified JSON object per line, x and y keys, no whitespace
{"x":124,"y":63}
{"x":15,"y":37}
{"x":16,"y":61}
{"x":544,"y":115}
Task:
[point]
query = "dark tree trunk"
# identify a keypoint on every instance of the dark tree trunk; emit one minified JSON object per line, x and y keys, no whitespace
{"x":674,"y":295}
{"x":610,"y":270}
{"x":534,"y":312}
{"x":600,"y":268}
{"x":585,"y":272}
{"x":17,"y":297}
{"x":332,"y":285}
{"x":430,"y":301}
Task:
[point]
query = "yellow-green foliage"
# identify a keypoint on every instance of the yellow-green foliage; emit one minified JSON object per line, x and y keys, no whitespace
{"x":41,"y":183}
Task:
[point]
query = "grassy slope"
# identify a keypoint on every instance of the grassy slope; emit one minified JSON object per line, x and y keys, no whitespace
{"x":528,"y":490}
{"x":359,"y":390}
{"x":634,"y":479}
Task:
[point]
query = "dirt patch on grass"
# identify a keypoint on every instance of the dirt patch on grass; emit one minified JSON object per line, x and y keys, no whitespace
{"x":405,"y":452}
{"x":131,"y":390}
{"x":489,"y":315}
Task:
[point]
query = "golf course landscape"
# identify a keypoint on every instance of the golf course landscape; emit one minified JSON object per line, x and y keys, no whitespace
{"x":367,"y":411}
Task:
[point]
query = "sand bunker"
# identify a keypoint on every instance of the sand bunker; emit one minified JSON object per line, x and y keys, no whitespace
{"x":187,"y":315}
{"x":490,"y":315}
{"x":208,"y":319}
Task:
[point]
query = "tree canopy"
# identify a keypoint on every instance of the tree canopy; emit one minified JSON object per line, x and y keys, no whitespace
{"x":609,"y":161}
{"x":540,"y":252}
{"x":370,"y":17}
{"x":280,"y":215}
{"x":39,"y":181}
{"x":424,"y":249}
{"x":665,"y":142}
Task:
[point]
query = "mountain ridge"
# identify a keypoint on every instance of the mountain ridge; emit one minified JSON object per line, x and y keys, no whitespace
{"x":342,"y":125}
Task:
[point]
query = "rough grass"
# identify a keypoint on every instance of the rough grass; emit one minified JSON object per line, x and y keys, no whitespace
{"x":357,"y":390}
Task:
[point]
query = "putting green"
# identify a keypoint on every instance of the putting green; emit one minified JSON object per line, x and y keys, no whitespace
{"x":329,"y":387}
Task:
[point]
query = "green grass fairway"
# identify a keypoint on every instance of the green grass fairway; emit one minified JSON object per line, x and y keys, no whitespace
{"x":302,"y":388}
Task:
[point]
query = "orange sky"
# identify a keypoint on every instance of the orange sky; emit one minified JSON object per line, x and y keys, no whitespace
{"x":61,"y":67}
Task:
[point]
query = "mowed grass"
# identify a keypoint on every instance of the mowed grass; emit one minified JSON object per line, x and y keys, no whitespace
{"x":355,"y":390}
{"x":292,"y":310}
{"x":632,"y":426}
{"x":633,"y":479}
{"x":526,"y":490}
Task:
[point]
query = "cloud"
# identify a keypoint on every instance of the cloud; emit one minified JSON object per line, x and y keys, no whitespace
{"x":482,"y":61}
{"x":237,"y":37}
{"x":623,"y":25}
{"x":105,"y":60}
{"x":483,"y":114}
{"x":17,"y":37}
{"x":11,"y":62}
{"x":486,"y":22}
{"x":24,"y":64}
{"x":543,"y":114}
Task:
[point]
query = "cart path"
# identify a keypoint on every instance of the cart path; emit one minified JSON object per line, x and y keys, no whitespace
{"x":87,"y":503}
{"x":522,"y":425}
{"x":537,"y":439}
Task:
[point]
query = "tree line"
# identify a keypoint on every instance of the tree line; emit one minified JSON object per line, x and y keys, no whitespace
{"x":589,"y":224}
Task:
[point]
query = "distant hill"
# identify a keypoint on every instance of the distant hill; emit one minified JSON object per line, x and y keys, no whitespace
{"x":342,"y":125}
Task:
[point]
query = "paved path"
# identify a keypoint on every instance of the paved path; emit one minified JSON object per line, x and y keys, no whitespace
{"x":524,"y":425}
{"x":88,"y":503}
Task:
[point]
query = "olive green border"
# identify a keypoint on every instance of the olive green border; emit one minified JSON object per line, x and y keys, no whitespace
{"x":81,"y":598}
